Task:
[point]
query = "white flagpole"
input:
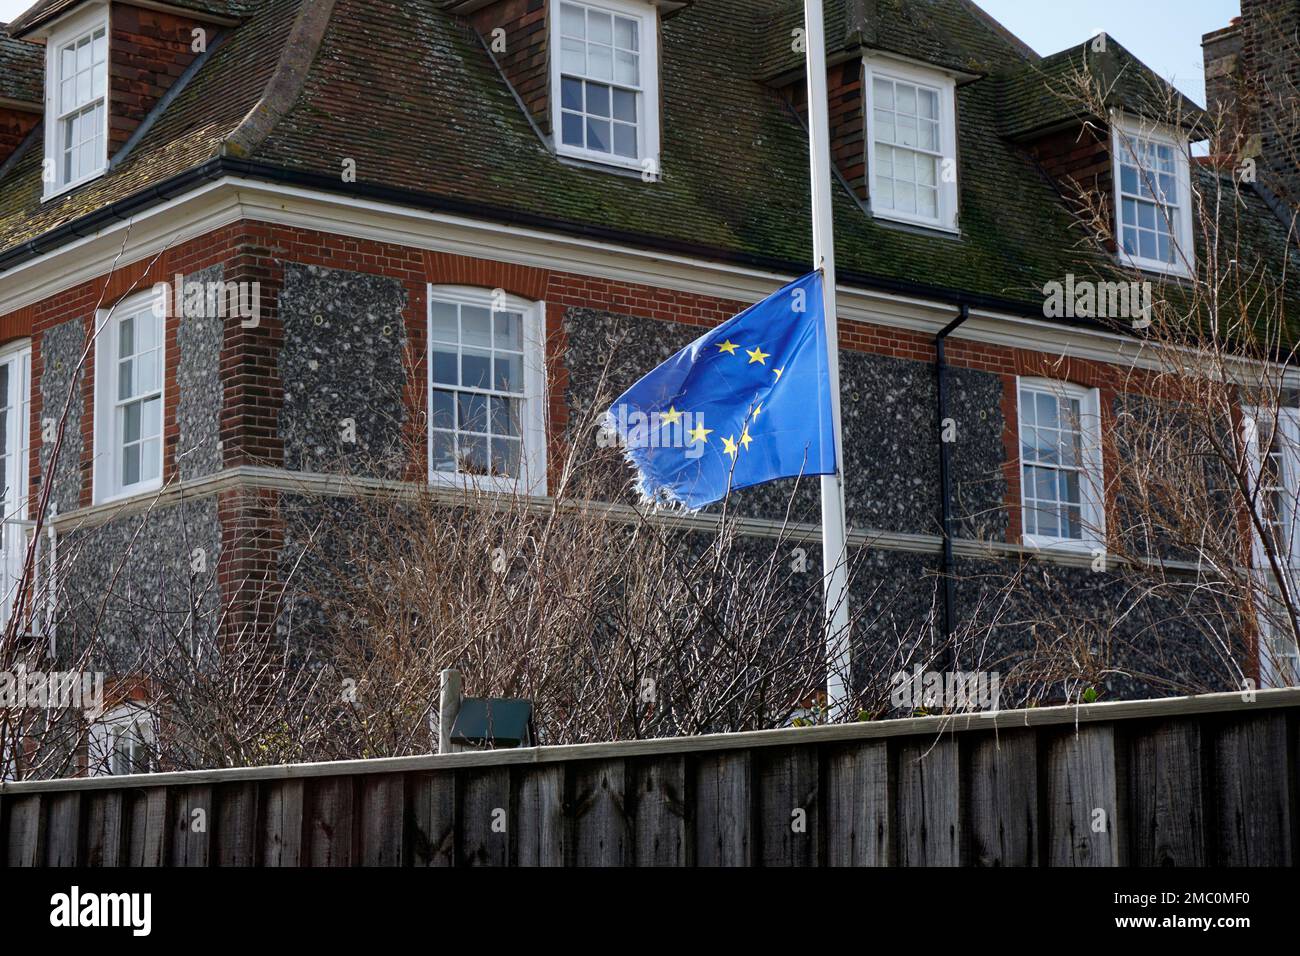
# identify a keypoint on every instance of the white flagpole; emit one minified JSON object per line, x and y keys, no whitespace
{"x":834,"y":553}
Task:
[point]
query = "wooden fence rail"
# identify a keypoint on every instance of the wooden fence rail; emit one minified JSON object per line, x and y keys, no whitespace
{"x":1190,"y":781}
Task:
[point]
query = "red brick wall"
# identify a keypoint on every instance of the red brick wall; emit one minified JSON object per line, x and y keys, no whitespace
{"x":848,"y":128}
{"x":524,"y":60}
{"x":1078,"y":160}
{"x":147,"y":51}
{"x":14,"y":127}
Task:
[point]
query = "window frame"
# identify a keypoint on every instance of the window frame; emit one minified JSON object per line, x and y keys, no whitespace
{"x":648,"y":144}
{"x":946,"y":86}
{"x":1122,"y":127}
{"x":17,"y":472}
{"x":101,"y":744}
{"x":1091,"y":485}
{"x":1254,"y":419}
{"x":70,"y":30}
{"x":532,"y":452}
{"x":106,"y":478}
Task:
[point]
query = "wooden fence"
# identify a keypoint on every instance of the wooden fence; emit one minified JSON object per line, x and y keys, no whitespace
{"x":1189,"y":781}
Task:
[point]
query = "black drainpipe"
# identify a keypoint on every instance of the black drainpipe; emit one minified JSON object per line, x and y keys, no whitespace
{"x":945,"y":488}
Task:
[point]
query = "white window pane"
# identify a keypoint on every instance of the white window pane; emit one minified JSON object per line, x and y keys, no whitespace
{"x":101,"y":47}
{"x":885,"y":127}
{"x":476,"y":326}
{"x":83,"y":86}
{"x":67,"y":95}
{"x":904,"y":197}
{"x":444,"y":322}
{"x":905,"y":165}
{"x":927,"y":202}
{"x":68,"y":64}
{"x":505,"y":457}
{"x":885,"y":161}
{"x":471,"y":412}
{"x":600,"y":63}
{"x":906,"y":130}
{"x":151,"y":418}
{"x":925,"y":170}
{"x":929,"y":104}
{"x":882,"y":93}
{"x":600,"y":27}
{"x":84,"y":53}
{"x":573,"y":57}
{"x":572,"y":21}
{"x":97,"y":81}
{"x":509,"y":331}
{"x":906,"y":99}
{"x":505,"y":417}
{"x":929,"y":136}
{"x":150,"y":459}
{"x":1047,"y":411}
{"x":884,"y":194}
{"x":627,"y":68}
{"x":626,"y":34}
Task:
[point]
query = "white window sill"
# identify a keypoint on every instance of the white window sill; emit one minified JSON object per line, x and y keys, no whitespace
{"x":928,"y":225}
{"x":68,"y":187}
{"x":604,"y":159}
{"x":1175,"y":270}
{"x":135,"y":491}
{"x":487,"y":483}
{"x":1071,"y":545}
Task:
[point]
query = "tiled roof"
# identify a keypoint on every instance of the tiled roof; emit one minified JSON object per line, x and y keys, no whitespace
{"x":1038,"y":95}
{"x":22,"y":69}
{"x":410,"y":94}
{"x":47,"y":10}
{"x":954,"y":34}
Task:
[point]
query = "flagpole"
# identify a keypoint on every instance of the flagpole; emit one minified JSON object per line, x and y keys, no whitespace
{"x":834,"y":553}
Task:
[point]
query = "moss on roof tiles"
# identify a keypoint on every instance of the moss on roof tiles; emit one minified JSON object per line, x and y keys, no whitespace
{"x":47,"y":10}
{"x":22,"y":69}
{"x":410,"y":94}
{"x":1042,"y":95}
{"x":186,"y":135}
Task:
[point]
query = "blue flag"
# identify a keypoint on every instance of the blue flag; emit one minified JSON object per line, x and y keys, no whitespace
{"x":747,"y":403}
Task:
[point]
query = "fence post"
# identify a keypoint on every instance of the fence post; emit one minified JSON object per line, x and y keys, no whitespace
{"x":448,"y":707}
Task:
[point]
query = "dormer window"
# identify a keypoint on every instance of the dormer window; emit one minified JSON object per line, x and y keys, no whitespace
{"x":76,"y":103}
{"x":1152,"y":198}
{"x":911,"y":144}
{"x":605,"y":82}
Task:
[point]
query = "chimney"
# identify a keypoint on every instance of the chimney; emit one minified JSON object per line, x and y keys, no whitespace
{"x":1224,"y":96}
{"x":1252,"y":74}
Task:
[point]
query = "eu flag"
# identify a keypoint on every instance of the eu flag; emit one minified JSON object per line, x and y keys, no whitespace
{"x":747,"y":403}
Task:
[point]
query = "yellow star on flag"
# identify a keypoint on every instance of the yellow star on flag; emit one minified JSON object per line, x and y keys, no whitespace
{"x":758,"y":355}
{"x":778,"y":373}
{"x":758,"y":409}
{"x":700,"y":433}
{"x":729,"y":347}
{"x":729,"y":446}
{"x":745,"y":439}
{"x":670,"y":417}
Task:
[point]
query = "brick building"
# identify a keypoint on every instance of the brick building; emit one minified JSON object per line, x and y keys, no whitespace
{"x":385,"y":171}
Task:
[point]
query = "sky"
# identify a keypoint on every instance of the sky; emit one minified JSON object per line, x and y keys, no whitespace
{"x":1164,"y":34}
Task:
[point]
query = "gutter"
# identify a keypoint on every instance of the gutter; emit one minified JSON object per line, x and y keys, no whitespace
{"x":946,"y":564}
